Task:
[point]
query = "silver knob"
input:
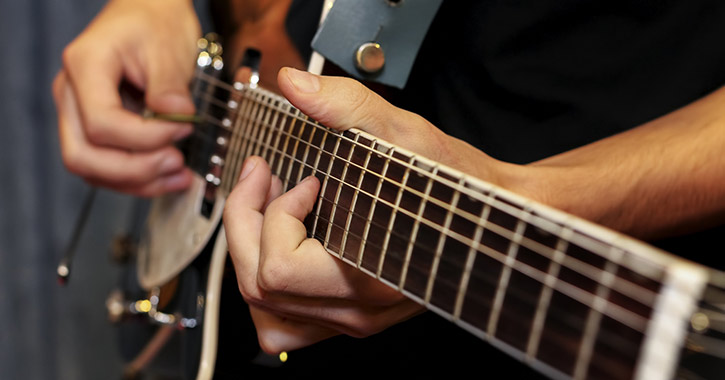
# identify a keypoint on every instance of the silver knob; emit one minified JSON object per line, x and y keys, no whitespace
{"x":370,"y":57}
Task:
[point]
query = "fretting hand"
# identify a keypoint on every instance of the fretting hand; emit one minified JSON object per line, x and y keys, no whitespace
{"x":298,"y":293}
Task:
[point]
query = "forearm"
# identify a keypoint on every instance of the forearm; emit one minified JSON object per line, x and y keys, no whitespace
{"x":663,"y":178}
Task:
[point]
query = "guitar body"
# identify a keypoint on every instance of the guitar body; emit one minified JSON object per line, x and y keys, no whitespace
{"x":176,"y":234}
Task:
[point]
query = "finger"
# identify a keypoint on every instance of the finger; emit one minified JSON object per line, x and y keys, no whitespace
{"x":243,"y":220}
{"x":168,"y":79}
{"x":277,"y":334}
{"x":95,"y":78}
{"x":113,"y":167}
{"x":292,"y":264}
{"x":275,"y":190}
{"x":158,"y":186}
{"x":344,"y":103}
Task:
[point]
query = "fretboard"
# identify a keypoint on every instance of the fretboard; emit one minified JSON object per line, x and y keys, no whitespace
{"x":569,"y":298}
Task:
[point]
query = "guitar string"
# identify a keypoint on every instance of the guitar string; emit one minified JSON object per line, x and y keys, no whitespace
{"x":625,"y":287}
{"x":453,"y":286}
{"x":415,"y":169}
{"x":223,"y":83}
{"x":293,"y":158}
{"x":284,"y":132}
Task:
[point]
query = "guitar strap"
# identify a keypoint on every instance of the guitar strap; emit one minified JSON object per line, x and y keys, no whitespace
{"x":393,"y":29}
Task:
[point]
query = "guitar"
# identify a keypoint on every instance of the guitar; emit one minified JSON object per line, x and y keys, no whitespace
{"x":569,"y":298}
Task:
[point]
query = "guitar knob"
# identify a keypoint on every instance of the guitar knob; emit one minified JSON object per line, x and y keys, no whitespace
{"x":370,"y":57}
{"x":212,"y":179}
{"x":216,"y":160}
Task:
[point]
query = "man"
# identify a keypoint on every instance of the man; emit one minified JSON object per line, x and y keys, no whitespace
{"x":611,"y":112}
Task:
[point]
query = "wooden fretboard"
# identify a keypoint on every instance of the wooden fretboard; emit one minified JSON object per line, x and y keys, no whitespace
{"x":571,"y":299}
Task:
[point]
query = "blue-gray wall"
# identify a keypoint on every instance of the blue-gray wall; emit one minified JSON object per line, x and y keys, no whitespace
{"x":48,"y":331}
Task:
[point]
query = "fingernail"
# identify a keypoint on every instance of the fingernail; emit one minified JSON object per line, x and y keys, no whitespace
{"x":176,"y":101}
{"x":176,"y":182}
{"x":184,"y":131}
{"x":304,"y":81}
{"x":249,"y":165}
{"x":170,"y":163}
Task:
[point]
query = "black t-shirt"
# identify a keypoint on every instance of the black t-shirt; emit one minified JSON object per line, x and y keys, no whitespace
{"x":523,"y":80}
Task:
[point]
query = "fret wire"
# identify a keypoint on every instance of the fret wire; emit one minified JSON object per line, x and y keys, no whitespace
{"x":472,"y":253}
{"x":393,"y":213}
{"x":412,"y":168}
{"x":414,"y":233}
{"x":624,"y":286}
{"x":576,"y":293}
{"x":306,"y":155}
{"x":283,"y":151}
{"x":594,"y":252}
{"x":314,"y":172}
{"x":247,"y":135}
{"x":245,"y":131}
{"x":242,"y":129}
{"x":474,"y":194}
{"x":264,"y":146}
{"x":294,"y":152}
{"x":323,"y":188}
{"x":278,"y":137}
{"x":271,"y":133}
{"x":257,"y":151}
{"x":353,"y":202}
{"x":337,"y":193}
{"x":373,"y":204}
{"x":594,"y":321}
{"x":547,"y":292}
{"x":602,"y":305}
{"x":522,"y":296}
{"x":506,"y":274}
{"x":466,"y":216}
{"x":441,"y":243}
{"x":251,"y":141}
{"x":464,"y":190}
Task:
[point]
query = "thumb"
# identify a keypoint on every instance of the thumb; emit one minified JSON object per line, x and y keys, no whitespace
{"x":343,"y":103}
{"x":167,"y":89}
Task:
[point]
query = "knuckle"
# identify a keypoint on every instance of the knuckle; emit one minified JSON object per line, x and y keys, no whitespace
{"x":249,"y":291}
{"x":273,"y":275}
{"x":94,"y":129}
{"x":69,"y":53}
{"x":74,"y":161}
{"x":358,"y":99}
